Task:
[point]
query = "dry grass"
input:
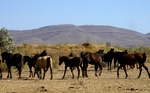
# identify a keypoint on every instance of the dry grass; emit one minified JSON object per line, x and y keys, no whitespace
{"x":56,"y":50}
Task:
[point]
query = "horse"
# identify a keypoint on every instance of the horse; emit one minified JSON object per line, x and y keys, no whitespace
{"x":110,"y":55}
{"x":43,"y":62}
{"x":31,"y":64}
{"x":93,"y":59}
{"x":71,"y":62}
{"x":35,"y":57}
{"x":132,"y":59}
{"x":107,"y":57}
{"x":12,"y":60}
{"x":1,"y":69}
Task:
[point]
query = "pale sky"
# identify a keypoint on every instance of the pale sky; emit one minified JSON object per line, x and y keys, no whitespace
{"x":32,"y":14}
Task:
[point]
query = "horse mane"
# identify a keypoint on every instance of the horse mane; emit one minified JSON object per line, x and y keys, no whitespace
{"x":44,"y":53}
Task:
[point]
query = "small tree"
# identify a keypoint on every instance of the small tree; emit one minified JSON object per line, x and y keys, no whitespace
{"x":6,"y":42}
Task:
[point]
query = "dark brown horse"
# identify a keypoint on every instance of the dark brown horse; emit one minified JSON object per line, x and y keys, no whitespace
{"x":12,"y":60}
{"x":93,"y":59}
{"x":131,"y":60}
{"x":71,"y":62}
{"x":30,"y":63}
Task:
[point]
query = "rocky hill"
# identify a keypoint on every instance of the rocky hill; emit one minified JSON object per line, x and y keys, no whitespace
{"x":63,"y":34}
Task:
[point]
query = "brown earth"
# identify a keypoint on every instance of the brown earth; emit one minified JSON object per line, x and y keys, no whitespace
{"x":106,"y":83}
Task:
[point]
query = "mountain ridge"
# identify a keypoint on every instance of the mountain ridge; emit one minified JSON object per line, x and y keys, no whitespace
{"x":68,"y":33}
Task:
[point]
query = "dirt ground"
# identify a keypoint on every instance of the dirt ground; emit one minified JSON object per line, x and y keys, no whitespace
{"x":106,"y":83}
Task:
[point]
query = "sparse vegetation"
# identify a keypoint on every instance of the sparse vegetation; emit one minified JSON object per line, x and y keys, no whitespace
{"x":56,"y":50}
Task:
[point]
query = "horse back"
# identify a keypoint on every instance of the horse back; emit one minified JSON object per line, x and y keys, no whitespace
{"x":141,"y":57}
{"x":127,"y":59}
{"x":16,"y":59}
{"x":42,"y":62}
{"x":95,"y":57}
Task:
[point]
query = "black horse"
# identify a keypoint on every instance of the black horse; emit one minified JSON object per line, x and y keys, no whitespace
{"x":71,"y":62}
{"x":93,"y":59}
{"x":12,"y":60}
{"x":108,"y":57}
{"x":31,"y":64}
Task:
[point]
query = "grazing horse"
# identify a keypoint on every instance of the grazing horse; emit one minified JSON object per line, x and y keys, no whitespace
{"x":71,"y":62}
{"x":93,"y":59}
{"x":132,"y":59}
{"x":1,"y":69}
{"x":12,"y":60}
{"x":30,"y":64}
{"x":43,"y":62}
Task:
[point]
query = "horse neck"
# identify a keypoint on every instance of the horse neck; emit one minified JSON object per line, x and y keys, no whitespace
{"x":44,"y":53}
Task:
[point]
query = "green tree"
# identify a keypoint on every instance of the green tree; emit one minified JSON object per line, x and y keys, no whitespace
{"x":6,"y":42}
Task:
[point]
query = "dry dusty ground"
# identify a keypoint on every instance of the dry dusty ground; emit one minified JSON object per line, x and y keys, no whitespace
{"x":107,"y":83}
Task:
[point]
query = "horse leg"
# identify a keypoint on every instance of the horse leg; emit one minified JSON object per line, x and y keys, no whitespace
{"x":40,"y":71}
{"x":115,"y":63}
{"x":82,"y":70}
{"x":72,"y":72}
{"x":146,"y":70}
{"x":20,"y":70}
{"x":9,"y":72}
{"x":100,"y":69}
{"x":124,"y":68}
{"x":86,"y":66}
{"x":96,"y":67}
{"x":64,"y":72}
{"x":140,"y":71}
{"x":51,"y":73}
{"x":118,"y":71}
{"x":44,"y":73}
{"x":31,"y":72}
{"x":110,"y":65}
{"x":34,"y":71}
{"x":78,"y":72}
{"x":1,"y":73}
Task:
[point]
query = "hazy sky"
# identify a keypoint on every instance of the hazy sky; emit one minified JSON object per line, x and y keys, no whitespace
{"x":30,"y":14}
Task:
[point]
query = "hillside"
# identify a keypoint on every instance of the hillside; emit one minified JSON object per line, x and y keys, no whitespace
{"x":60,"y":34}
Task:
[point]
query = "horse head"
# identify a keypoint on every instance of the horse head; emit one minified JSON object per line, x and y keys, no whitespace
{"x":5,"y":56}
{"x":63,"y":59}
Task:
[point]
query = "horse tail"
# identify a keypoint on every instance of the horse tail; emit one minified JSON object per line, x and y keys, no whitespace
{"x":143,"y":60}
{"x":48,"y":62}
{"x":144,"y":57}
